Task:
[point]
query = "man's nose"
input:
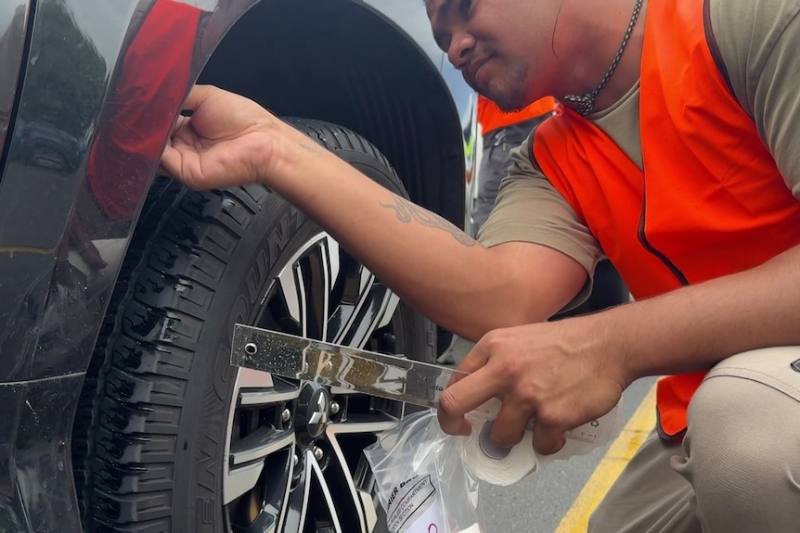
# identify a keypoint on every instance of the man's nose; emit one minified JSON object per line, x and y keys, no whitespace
{"x":461,"y":45}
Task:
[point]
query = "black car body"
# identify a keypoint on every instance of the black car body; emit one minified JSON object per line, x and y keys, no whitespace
{"x":89,"y":90}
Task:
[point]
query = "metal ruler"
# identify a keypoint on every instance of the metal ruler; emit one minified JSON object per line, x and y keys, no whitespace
{"x":366,"y":372}
{"x":385,"y":376}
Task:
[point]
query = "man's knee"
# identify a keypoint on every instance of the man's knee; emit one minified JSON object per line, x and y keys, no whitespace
{"x":731,"y":439}
{"x":743,"y":443}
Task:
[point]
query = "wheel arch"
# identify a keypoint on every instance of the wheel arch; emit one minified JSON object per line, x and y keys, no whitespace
{"x":344,"y":62}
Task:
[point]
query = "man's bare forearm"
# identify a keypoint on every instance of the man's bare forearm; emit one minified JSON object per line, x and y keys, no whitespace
{"x":428,"y":261}
{"x":693,"y":328}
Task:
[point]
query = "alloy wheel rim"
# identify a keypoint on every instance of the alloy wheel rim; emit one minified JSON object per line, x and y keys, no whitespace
{"x":293,"y":459}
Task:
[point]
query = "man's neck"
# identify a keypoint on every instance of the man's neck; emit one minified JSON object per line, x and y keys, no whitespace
{"x":595,"y":52}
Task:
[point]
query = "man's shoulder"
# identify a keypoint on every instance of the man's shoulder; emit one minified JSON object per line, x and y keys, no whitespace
{"x":750,"y":21}
{"x":746,"y":32}
{"x":522,"y":159}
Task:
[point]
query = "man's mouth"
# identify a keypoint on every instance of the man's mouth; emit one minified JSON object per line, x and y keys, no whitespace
{"x":472,"y":70}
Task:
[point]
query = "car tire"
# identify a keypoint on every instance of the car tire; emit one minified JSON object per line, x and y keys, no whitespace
{"x":169,"y":436}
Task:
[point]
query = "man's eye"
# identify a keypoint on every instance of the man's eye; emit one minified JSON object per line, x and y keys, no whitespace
{"x":465,"y":6}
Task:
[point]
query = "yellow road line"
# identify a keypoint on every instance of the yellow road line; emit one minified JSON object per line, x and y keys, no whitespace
{"x":576,"y":520}
{"x":11,"y":250}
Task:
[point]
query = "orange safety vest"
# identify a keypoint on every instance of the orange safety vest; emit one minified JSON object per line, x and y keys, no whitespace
{"x":492,"y":117}
{"x":710,"y":202}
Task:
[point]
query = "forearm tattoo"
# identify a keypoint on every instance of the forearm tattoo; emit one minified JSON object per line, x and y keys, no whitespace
{"x":407,"y":211}
{"x":309,"y":148}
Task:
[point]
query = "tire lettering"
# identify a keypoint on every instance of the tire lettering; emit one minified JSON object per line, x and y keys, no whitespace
{"x":205,"y":511}
{"x":208,"y":464}
{"x":280,"y":236}
{"x":257,"y":276}
{"x":239,"y":314}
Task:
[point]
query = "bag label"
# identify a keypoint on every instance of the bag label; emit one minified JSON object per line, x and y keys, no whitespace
{"x":429,"y":522}
{"x":413,"y":507}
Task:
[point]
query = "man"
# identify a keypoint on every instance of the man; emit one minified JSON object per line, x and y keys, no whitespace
{"x":683,"y":169}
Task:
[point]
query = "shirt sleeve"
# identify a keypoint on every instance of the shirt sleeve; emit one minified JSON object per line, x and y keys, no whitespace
{"x":530,"y":209}
{"x":759,"y":42}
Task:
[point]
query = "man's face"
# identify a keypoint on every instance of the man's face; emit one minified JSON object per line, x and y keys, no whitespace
{"x":502,"y":47}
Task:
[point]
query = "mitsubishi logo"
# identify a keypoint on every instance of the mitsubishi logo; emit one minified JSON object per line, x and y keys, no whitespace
{"x":313,"y":412}
{"x":320,"y":416}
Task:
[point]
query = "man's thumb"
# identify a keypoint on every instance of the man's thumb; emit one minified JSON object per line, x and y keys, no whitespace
{"x":548,"y":440}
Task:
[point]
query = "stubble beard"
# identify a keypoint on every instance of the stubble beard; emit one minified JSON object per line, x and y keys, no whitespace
{"x":513,"y":94}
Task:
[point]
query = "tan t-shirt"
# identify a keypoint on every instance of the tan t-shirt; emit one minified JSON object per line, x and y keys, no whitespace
{"x":759,"y":41}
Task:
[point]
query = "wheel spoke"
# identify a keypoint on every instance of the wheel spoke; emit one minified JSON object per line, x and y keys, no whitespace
{"x":365,"y":280}
{"x":259,"y":444}
{"x":297,"y":505}
{"x":256,"y":389}
{"x":374,"y":309}
{"x":294,"y":292}
{"x":356,"y":508}
{"x":363,"y":423}
{"x":321,"y":268}
{"x":276,"y":488}
{"x":240,"y":480}
{"x":348,"y":308}
{"x":320,"y":486}
{"x":254,"y":379}
{"x":380,"y":306}
{"x":320,"y":509}
{"x":245,"y":456}
{"x":306,"y":283}
{"x":390,"y":306}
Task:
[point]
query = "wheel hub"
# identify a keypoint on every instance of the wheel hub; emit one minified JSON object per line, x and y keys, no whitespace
{"x":313,"y":412}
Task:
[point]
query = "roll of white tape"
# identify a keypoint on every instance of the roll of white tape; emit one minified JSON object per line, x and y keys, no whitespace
{"x":496,"y":465}
{"x":499,"y":466}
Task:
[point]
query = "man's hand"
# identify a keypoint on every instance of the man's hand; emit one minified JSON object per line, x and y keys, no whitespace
{"x":549,"y":372}
{"x":228,"y":140}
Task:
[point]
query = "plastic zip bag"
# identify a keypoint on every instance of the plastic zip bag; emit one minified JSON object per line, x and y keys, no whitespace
{"x":423,"y":483}
{"x":428,"y":480}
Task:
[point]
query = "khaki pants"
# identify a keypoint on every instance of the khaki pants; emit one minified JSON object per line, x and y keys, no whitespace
{"x":738,"y":469}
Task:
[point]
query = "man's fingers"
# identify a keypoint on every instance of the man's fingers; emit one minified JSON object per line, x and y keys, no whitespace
{"x":509,"y":426}
{"x":476,"y":358}
{"x":180,"y":123}
{"x":462,"y":397}
{"x":198,"y":95}
{"x":170,"y":162}
{"x":465,"y":393}
{"x":171,"y":159}
{"x":547,"y":440}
